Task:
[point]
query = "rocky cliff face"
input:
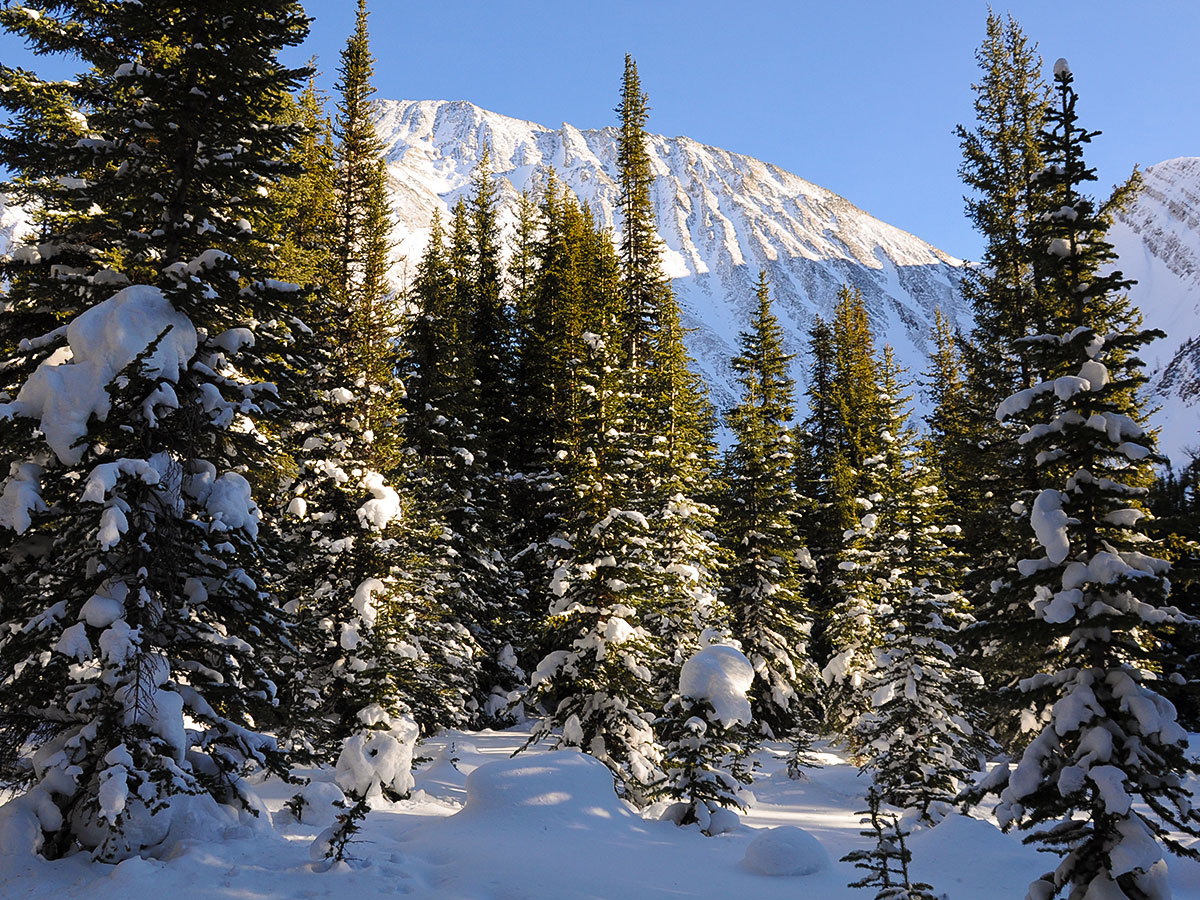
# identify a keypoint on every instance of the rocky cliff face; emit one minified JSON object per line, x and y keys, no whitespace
{"x":1158,"y":242}
{"x":722,"y":217}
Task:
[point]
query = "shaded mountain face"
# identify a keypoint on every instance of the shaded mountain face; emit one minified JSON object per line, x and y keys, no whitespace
{"x":1158,"y":242}
{"x":722,"y":217}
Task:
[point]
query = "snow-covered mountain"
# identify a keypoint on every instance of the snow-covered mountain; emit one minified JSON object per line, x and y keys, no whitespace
{"x":722,"y":217}
{"x":1158,"y":241}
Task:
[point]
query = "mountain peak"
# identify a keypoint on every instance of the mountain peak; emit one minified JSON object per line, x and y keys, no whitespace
{"x":722,"y":217}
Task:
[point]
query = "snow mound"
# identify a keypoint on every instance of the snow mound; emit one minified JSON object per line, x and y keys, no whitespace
{"x":565,"y":785}
{"x":786,"y":850}
{"x":721,"y":675}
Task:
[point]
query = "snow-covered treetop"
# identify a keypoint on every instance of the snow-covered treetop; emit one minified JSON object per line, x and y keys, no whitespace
{"x":722,"y":675}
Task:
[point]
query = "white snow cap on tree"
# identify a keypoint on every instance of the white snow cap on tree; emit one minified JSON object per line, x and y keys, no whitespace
{"x":69,"y":388}
{"x":380,"y":756}
{"x":722,"y":675}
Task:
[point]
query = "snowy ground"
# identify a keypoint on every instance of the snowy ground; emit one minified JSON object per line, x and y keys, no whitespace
{"x":546,"y":826}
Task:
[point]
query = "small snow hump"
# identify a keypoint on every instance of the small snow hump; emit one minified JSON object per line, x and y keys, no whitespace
{"x":565,"y":785}
{"x":1061,"y":68}
{"x":786,"y":850}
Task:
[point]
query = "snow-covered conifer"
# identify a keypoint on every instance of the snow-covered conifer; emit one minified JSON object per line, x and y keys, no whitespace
{"x":140,"y":343}
{"x":597,"y":680}
{"x":917,"y":739}
{"x":341,"y":510}
{"x":1103,"y":781}
{"x":886,"y":863}
{"x":703,"y":735}
{"x":767,"y":577}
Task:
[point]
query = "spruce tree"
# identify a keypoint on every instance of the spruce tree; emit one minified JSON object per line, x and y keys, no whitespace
{"x":1093,"y":579}
{"x":886,"y":864}
{"x":449,"y":568}
{"x":343,"y":510}
{"x":1001,"y":157}
{"x":136,"y":606}
{"x":705,"y":747}
{"x":304,"y":210}
{"x":950,"y":423}
{"x":597,"y":678}
{"x":767,"y":580}
{"x":636,"y":571}
{"x":853,"y":487}
{"x":917,"y":736}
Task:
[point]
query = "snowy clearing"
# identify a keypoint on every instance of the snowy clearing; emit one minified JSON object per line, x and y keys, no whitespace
{"x":483,"y":826}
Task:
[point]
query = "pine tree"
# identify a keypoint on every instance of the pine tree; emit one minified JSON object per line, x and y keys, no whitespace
{"x":597,"y":678}
{"x":682,"y":424}
{"x":886,"y":864}
{"x":917,"y":737}
{"x":137,"y":601}
{"x":1093,"y":580}
{"x":766,"y":579}
{"x":343,"y":510}
{"x":450,"y":568}
{"x":1001,"y":157}
{"x":304,"y":202}
{"x":636,"y":566}
{"x":854,"y":486}
{"x":642,"y":282}
{"x":705,"y":748}
{"x":950,"y":423}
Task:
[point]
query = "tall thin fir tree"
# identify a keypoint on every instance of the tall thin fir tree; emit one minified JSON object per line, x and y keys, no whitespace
{"x":452,"y":567}
{"x":854,"y":487}
{"x":342,"y":509}
{"x":670,"y":420}
{"x":597,"y":678}
{"x":136,"y":603}
{"x":918,"y":736}
{"x":1103,"y":782}
{"x":638,"y":560}
{"x":768,"y":574}
{"x":1001,"y":157}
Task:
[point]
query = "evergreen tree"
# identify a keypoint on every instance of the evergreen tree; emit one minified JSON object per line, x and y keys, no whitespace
{"x":705,"y":748}
{"x":598,"y":678}
{"x":1174,"y":504}
{"x":304,"y":210}
{"x":917,"y":737}
{"x":343,"y":510}
{"x":1093,"y":580}
{"x":886,"y":864}
{"x":857,"y":406}
{"x":450,"y":569}
{"x":766,"y":579}
{"x":643,"y":284}
{"x":136,"y":606}
{"x":950,"y":422}
{"x":1001,"y":157}
{"x":637,"y":562}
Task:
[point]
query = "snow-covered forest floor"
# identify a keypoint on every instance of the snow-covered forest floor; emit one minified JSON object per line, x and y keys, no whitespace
{"x":543,"y":825}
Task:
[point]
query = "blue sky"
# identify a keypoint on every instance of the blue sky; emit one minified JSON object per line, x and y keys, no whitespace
{"x":859,"y":96}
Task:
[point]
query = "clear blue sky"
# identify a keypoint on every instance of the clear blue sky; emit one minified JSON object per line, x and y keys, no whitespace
{"x":859,"y":96}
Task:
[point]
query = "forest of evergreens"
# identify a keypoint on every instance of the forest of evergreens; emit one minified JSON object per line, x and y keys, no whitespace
{"x":260,"y":509}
